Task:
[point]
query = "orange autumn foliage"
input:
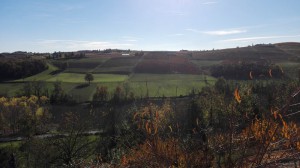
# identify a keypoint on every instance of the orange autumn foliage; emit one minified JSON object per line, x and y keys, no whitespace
{"x":164,"y":153}
{"x":271,"y":131}
{"x":237,"y":95}
{"x":160,"y":149}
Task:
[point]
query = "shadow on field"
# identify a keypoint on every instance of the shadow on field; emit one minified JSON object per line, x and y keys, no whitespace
{"x":56,"y":72}
{"x":82,"y":86}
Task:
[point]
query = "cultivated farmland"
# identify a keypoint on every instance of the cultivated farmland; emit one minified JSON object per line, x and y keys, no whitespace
{"x":153,"y":74}
{"x":118,"y":65}
{"x":168,"y":63}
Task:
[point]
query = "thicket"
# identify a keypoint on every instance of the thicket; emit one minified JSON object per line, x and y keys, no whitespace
{"x":227,"y":125}
{"x":56,"y":94}
{"x":11,"y":68}
{"x":249,"y":128}
{"x":230,"y":124}
{"x":25,"y":115}
{"x":247,"y":71}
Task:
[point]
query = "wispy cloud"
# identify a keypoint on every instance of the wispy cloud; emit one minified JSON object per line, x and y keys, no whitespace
{"x":131,"y":38}
{"x":209,"y":2}
{"x":247,"y":39}
{"x":176,"y":34}
{"x":193,"y":30}
{"x":219,"y":32}
{"x":225,"y":32}
{"x":73,"y":45}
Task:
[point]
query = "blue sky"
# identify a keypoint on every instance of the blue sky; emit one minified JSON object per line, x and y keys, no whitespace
{"x":69,"y":25}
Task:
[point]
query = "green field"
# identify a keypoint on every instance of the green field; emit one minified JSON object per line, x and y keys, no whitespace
{"x":117,"y":70}
{"x":168,"y":77}
{"x":79,"y":78}
{"x":156,"y":85}
{"x":112,"y":72}
{"x":12,"y":145}
{"x":167,"y":84}
{"x":10,"y":89}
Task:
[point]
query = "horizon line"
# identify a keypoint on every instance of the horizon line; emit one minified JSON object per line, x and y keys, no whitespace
{"x":3,"y":52}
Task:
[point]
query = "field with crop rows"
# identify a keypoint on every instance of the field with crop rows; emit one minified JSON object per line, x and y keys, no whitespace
{"x":153,"y":74}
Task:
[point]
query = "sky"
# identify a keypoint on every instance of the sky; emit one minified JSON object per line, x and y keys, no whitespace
{"x":71,"y":25}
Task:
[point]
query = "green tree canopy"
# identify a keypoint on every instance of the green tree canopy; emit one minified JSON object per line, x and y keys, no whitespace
{"x":89,"y":77}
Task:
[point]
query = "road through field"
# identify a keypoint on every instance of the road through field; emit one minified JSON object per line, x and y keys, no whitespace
{"x":100,"y":65}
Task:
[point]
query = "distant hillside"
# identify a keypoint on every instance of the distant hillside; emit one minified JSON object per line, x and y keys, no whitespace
{"x":275,"y":52}
{"x":290,"y":48}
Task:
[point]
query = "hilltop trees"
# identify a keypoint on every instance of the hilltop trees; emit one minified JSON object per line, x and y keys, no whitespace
{"x":89,"y":77}
{"x":67,"y":55}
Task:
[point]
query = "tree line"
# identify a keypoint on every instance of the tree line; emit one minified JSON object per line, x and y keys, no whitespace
{"x":11,"y":68}
{"x":66,"y":55}
{"x":247,"y":71}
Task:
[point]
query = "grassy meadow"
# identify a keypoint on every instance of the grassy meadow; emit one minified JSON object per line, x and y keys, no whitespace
{"x":79,"y":78}
{"x":168,"y":84}
{"x":112,"y":72}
